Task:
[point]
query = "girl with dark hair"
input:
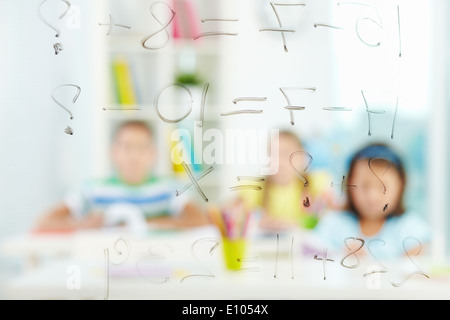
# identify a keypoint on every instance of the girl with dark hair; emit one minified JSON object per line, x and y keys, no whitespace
{"x":375,"y":185}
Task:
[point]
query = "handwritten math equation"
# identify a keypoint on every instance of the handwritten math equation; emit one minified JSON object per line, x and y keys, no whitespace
{"x":203,"y":249}
{"x":291,"y":107}
{"x":281,"y":25}
{"x":365,"y":15}
{"x":370,"y":16}
{"x":262,"y":99}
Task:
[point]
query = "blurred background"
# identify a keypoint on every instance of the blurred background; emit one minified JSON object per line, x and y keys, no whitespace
{"x":395,"y":52}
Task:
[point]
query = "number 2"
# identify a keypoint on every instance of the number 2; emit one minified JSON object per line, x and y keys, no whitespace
{"x":418,"y":271}
{"x":211,"y":250}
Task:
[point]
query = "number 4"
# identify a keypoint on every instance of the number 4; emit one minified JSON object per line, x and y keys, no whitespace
{"x":281,"y":28}
{"x":291,"y":107}
{"x":370,"y":111}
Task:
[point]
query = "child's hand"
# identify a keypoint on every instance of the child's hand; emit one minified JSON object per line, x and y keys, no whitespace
{"x":274,"y":224}
{"x":318,"y":204}
{"x":91,"y":221}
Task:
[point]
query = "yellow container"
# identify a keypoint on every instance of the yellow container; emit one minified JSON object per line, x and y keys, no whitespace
{"x":234,"y":251}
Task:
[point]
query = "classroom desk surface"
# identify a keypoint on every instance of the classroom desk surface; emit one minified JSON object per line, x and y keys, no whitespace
{"x":189,"y":265}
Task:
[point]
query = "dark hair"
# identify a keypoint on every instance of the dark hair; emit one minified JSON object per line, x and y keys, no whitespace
{"x":384,"y":152}
{"x":141,"y":124}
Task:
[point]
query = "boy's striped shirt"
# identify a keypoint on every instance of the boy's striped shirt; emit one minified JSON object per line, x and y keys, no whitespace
{"x":155,"y":197}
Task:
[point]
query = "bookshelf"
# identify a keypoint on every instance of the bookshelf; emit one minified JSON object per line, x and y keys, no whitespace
{"x":136,"y":79}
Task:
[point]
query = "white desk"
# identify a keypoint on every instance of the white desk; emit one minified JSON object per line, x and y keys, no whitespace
{"x":74,"y":267}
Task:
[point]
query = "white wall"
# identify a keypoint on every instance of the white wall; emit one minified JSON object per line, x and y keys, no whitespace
{"x":438,"y":150}
{"x":39,"y":161}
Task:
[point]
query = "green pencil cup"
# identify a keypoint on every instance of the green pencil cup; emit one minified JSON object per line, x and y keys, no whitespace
{"x":234,"y":251}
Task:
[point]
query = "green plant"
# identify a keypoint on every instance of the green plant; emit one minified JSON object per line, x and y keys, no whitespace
{"x":188,"y":79}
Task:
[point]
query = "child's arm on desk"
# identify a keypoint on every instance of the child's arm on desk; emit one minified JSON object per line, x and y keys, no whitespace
{"x":190,"y":216}
{"x":60,"y":219}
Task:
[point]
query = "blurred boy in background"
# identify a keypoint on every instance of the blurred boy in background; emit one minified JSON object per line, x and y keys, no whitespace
{"x":134,"y":195}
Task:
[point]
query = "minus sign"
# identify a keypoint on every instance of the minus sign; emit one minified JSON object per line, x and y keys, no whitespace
{"x":240,"y":111}
{"x":277,"y":29}
{"x":337,"y":109}
{"x":326,"y":25}
{"x":294,"y":108}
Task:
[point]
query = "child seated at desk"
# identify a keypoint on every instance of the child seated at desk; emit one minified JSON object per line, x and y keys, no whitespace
{"x":134,"y":194}
{"x":284,"y":200}
{"x":374,"y":209}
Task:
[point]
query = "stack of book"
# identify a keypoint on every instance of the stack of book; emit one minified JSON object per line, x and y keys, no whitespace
{"x":185,"y":23}
{"x":123,"y":82}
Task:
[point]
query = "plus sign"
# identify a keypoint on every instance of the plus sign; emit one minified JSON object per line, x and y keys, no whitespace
{"x":324,"y":262}
{"x":111,"y":24}
{"x":344,"y":185}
